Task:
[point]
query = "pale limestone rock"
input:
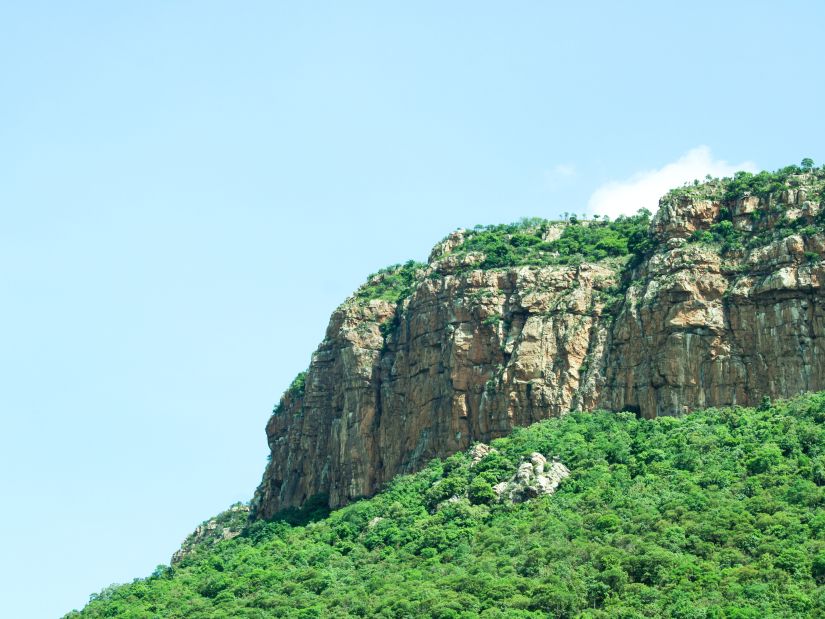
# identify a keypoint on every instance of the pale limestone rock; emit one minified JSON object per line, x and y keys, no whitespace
{"x":443,"y":248}
{"x":532,"y":479}
{"x":212,"y":531}
{"x":479,"y":451}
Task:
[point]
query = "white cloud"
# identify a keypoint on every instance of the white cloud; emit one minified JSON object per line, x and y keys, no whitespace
{"x":559,"y":174}
{"x":564,"y":170}
{"x":645,"y":188}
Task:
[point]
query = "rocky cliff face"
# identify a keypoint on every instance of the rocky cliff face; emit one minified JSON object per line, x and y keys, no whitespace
{"x":467,"y":357}
{"x":470,"y":353}
{"x":700,"y":327}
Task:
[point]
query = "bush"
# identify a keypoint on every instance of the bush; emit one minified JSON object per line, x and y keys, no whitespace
{"x":522,"y":244}
{"x":295,"y":390}
{"x":393,"y":283}
{"x":480,"y":490}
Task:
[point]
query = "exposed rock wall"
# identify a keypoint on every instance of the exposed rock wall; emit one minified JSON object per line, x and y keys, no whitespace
{"x":467,"y":358}
{"x":699,"y":328}
{"x":471,"y":354}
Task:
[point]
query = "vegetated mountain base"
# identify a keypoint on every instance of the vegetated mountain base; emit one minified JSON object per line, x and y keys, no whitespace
{"x":718,"y":514}
{"x":717,"y":300}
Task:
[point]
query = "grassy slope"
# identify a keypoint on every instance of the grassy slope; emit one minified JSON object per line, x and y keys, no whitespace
{"x":718,"y":514}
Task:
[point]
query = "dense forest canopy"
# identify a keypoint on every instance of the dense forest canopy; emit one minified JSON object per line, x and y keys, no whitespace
{"x":717,"y":514}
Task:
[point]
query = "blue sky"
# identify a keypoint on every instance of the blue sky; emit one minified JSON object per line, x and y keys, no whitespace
{"x":187,"y":190}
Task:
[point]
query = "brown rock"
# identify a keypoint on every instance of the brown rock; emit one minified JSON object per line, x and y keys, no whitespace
{"x":470,"y":355}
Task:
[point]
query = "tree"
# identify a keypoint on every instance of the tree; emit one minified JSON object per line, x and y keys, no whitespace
{"x":807,"y":164}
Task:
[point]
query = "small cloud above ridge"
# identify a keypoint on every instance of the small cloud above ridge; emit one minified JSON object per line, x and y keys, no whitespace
{"x":643,"y":190}
{"x":559,"y":174}
{"x":564,"y":170}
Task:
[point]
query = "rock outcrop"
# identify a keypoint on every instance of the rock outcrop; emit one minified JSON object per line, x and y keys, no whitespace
{"x":534,"y":478}
{"x":703,"y":328}
{"x":469,"y":357}
{"x":226,"y":525}
{"x":471,"y":353}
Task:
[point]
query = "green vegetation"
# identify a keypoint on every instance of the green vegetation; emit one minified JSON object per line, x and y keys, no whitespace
{"x":722,"y":233}
{"x":492,"y":320}
{"x":393,"y":283}
{"x":764,"y":184}
{"x":771,"y":221}
{"x":298,"y":384}
{"x":522,"y":243}
{"x":715,"y":515}
{"x":211,"y":532}
{"x":728,"y":238}
{"x":294,"y":391}
{"x":528,"y":241}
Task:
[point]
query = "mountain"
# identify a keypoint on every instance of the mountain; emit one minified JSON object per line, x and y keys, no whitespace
{"x":717,"y":514}
{"x":516,"y":408}
{"x":717,"y":301}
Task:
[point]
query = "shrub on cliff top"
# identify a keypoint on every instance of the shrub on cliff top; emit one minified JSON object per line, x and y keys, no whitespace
{"x":392,"y":283}
{"x":295,"y":390}
{"x":765,"y":183}
{"x":523,"y":244}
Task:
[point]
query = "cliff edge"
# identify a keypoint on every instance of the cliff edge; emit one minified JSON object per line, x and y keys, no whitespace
{"x":715,"y":301}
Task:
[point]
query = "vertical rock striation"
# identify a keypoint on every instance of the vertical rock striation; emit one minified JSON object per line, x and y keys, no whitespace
{"x":471,"y":353}
{"x":703,"y":328}
{"x":465,"y":358}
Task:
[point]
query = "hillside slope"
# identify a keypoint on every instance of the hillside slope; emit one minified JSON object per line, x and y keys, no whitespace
{"x":717,"y":301}
{"x":715,"y":514}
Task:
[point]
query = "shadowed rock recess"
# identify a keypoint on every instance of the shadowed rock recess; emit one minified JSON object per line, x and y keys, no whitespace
{"x":719,"y":303}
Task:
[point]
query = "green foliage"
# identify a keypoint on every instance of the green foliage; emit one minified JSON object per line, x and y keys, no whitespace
{"x":723,"y":233}
{"x":492,"y":320}
{"x":770,"y":220}
{"x":761,"y":184}
{"x":298,"y":384}
{"x":522,"y":243}
{"x":314,"y":508}
{"x":294,"y":391}
{"x":764,"y":183}
{"x":393,"y":283}
{"x":480,"y":490}
{"x":717,"y":514}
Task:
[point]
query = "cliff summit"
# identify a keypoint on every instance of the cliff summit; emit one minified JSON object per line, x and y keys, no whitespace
{"x":717,"y":300}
